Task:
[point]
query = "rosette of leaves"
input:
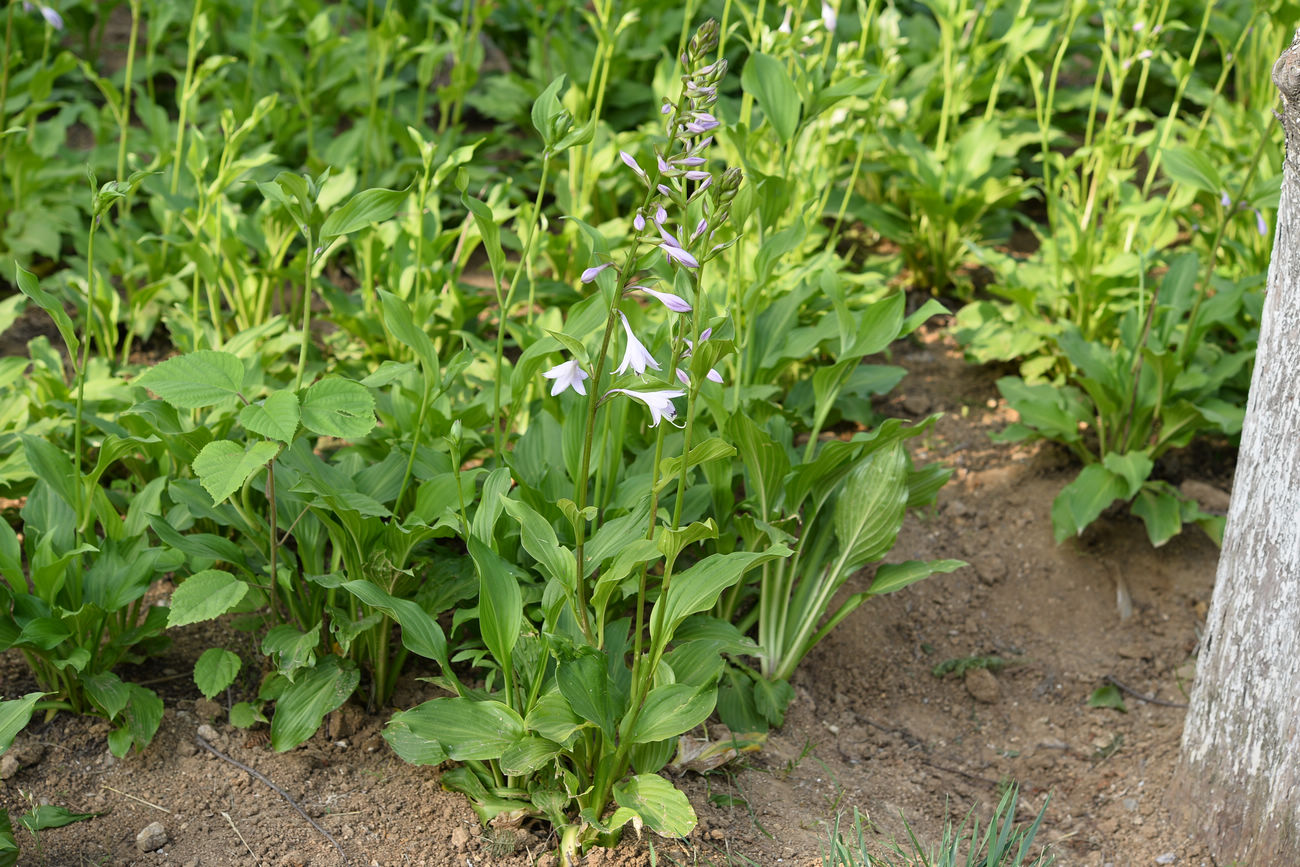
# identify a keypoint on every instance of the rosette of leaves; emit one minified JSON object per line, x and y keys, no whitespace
{"x":1173,"y":371}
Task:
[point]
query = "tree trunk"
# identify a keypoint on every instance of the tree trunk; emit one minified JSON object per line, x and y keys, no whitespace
{"x":1238,"y":778}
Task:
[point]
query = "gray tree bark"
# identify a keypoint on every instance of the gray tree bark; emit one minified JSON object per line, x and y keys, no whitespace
{"x":1238,"y":779}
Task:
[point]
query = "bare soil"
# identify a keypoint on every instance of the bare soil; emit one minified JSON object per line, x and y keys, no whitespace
{"x":872,"y":728}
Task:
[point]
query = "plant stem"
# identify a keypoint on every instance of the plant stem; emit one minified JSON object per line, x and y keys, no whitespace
{"x":124,"y":119}
{"x":309,"y":257}
{"x":79,"y":487}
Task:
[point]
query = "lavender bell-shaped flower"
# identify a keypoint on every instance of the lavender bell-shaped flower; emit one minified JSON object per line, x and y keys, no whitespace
{"x":673,"y":250}
{"x":675,"y":303}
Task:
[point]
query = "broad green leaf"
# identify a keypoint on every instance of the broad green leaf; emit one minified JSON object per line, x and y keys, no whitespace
{"x":490,"y":232}
{"x":223,"y":466}
{"x":585,"y":683}
{"x":553,"y":718}
{"x":303,"y":705}
{"x":338,"y":407}
{"x":14,"y":716}
{"x":869,"y":512}
{"x":540,"y":541}
{"x":698,"y":588}
{"x":1134,"y":468}
{"x":671,"y":710}
{"x":139,"y":721}
{"x":528,"y":754}
{"x":546,"y":107}
{"x":1161,"y":512}
{"x":246,"y":714}
{"x":500,"y":603}
{"x":420,"y":630}
{"x":1194,"y":168}
{"x":1083,"y":500}
{"x":766,"y":461}
{"x":47,"y":816}
{"x":1107,"y":696}
{"x":662,"y":807}
{"x":401,"y":323}
{"x":108,"y":691}
{"x":466,"y":730}
{"x":712,"y":449}
{"x":766,"y":78}
{"x":672,"y":542}
{"x":205,"y":595}
{"x":195,"y":380}
{"x":896,"y":576}
{"x":290,"y":649}
{"x":366,"y":207}
{"x":275,"y":418}
{"x":28,"y":286}
{"x":215,"y":670}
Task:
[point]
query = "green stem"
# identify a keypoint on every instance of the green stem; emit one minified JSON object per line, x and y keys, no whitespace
{"x":124,"y":119}
{"x":79,"y":486}
{"x":506,"y":303}
{"x":308,"y":255}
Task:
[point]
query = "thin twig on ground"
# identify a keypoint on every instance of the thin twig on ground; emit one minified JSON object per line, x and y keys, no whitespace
{"x":134,"y":798}
{"x":283,"y":794}
{"x":256,"y":860}
{"x":1148,"y":699}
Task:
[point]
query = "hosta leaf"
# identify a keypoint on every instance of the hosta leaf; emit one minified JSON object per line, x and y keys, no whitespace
{"x":366,"y":207}
{"x":1082,"y":501}
{"x":869,"y":512}
{"x":205,"y":595}
{"x":303,"y":705}
{"x":662,"y":806}
{"x":223,"y":466}
{"x":275,"y":418}
{"x":671,"y":710}
{"x":467,"y":730}
{"x":195,"y":380}
{"x":338,"y":407}
{"x":14,"y":716}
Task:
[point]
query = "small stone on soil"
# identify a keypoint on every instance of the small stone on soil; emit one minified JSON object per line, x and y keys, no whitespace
{"x":208,"y":733}
{"x":982,"y":685}
{"x":154,"y":836}
{"x":8,"y":766}
{"x":460,"y":838}
{"x":990,"y":568}
{"x":207,"y":709}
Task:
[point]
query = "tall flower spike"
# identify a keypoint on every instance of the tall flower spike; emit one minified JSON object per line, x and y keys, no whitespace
{"x":660,"y":403}
{"x":567,"y":375}
{"x":637,"y":356}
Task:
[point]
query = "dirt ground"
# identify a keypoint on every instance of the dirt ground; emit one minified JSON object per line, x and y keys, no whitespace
{"x":871,"y":728}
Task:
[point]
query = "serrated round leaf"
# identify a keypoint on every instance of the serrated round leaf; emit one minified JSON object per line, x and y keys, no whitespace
{"x":223,"y":466}
{"x":215,"y":670}
{"x":195,"y":380}
{"x":662,"y":806}
{"x":205,"y":595}
{"x":338,"y":407}
{"x":275,"y":418}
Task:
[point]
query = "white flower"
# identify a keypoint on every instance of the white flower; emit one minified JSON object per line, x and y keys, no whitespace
{"x":637,"y":356}
{"x":660,"y":403}
{"x":567,"y":375}
{"x":829,"y":17}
